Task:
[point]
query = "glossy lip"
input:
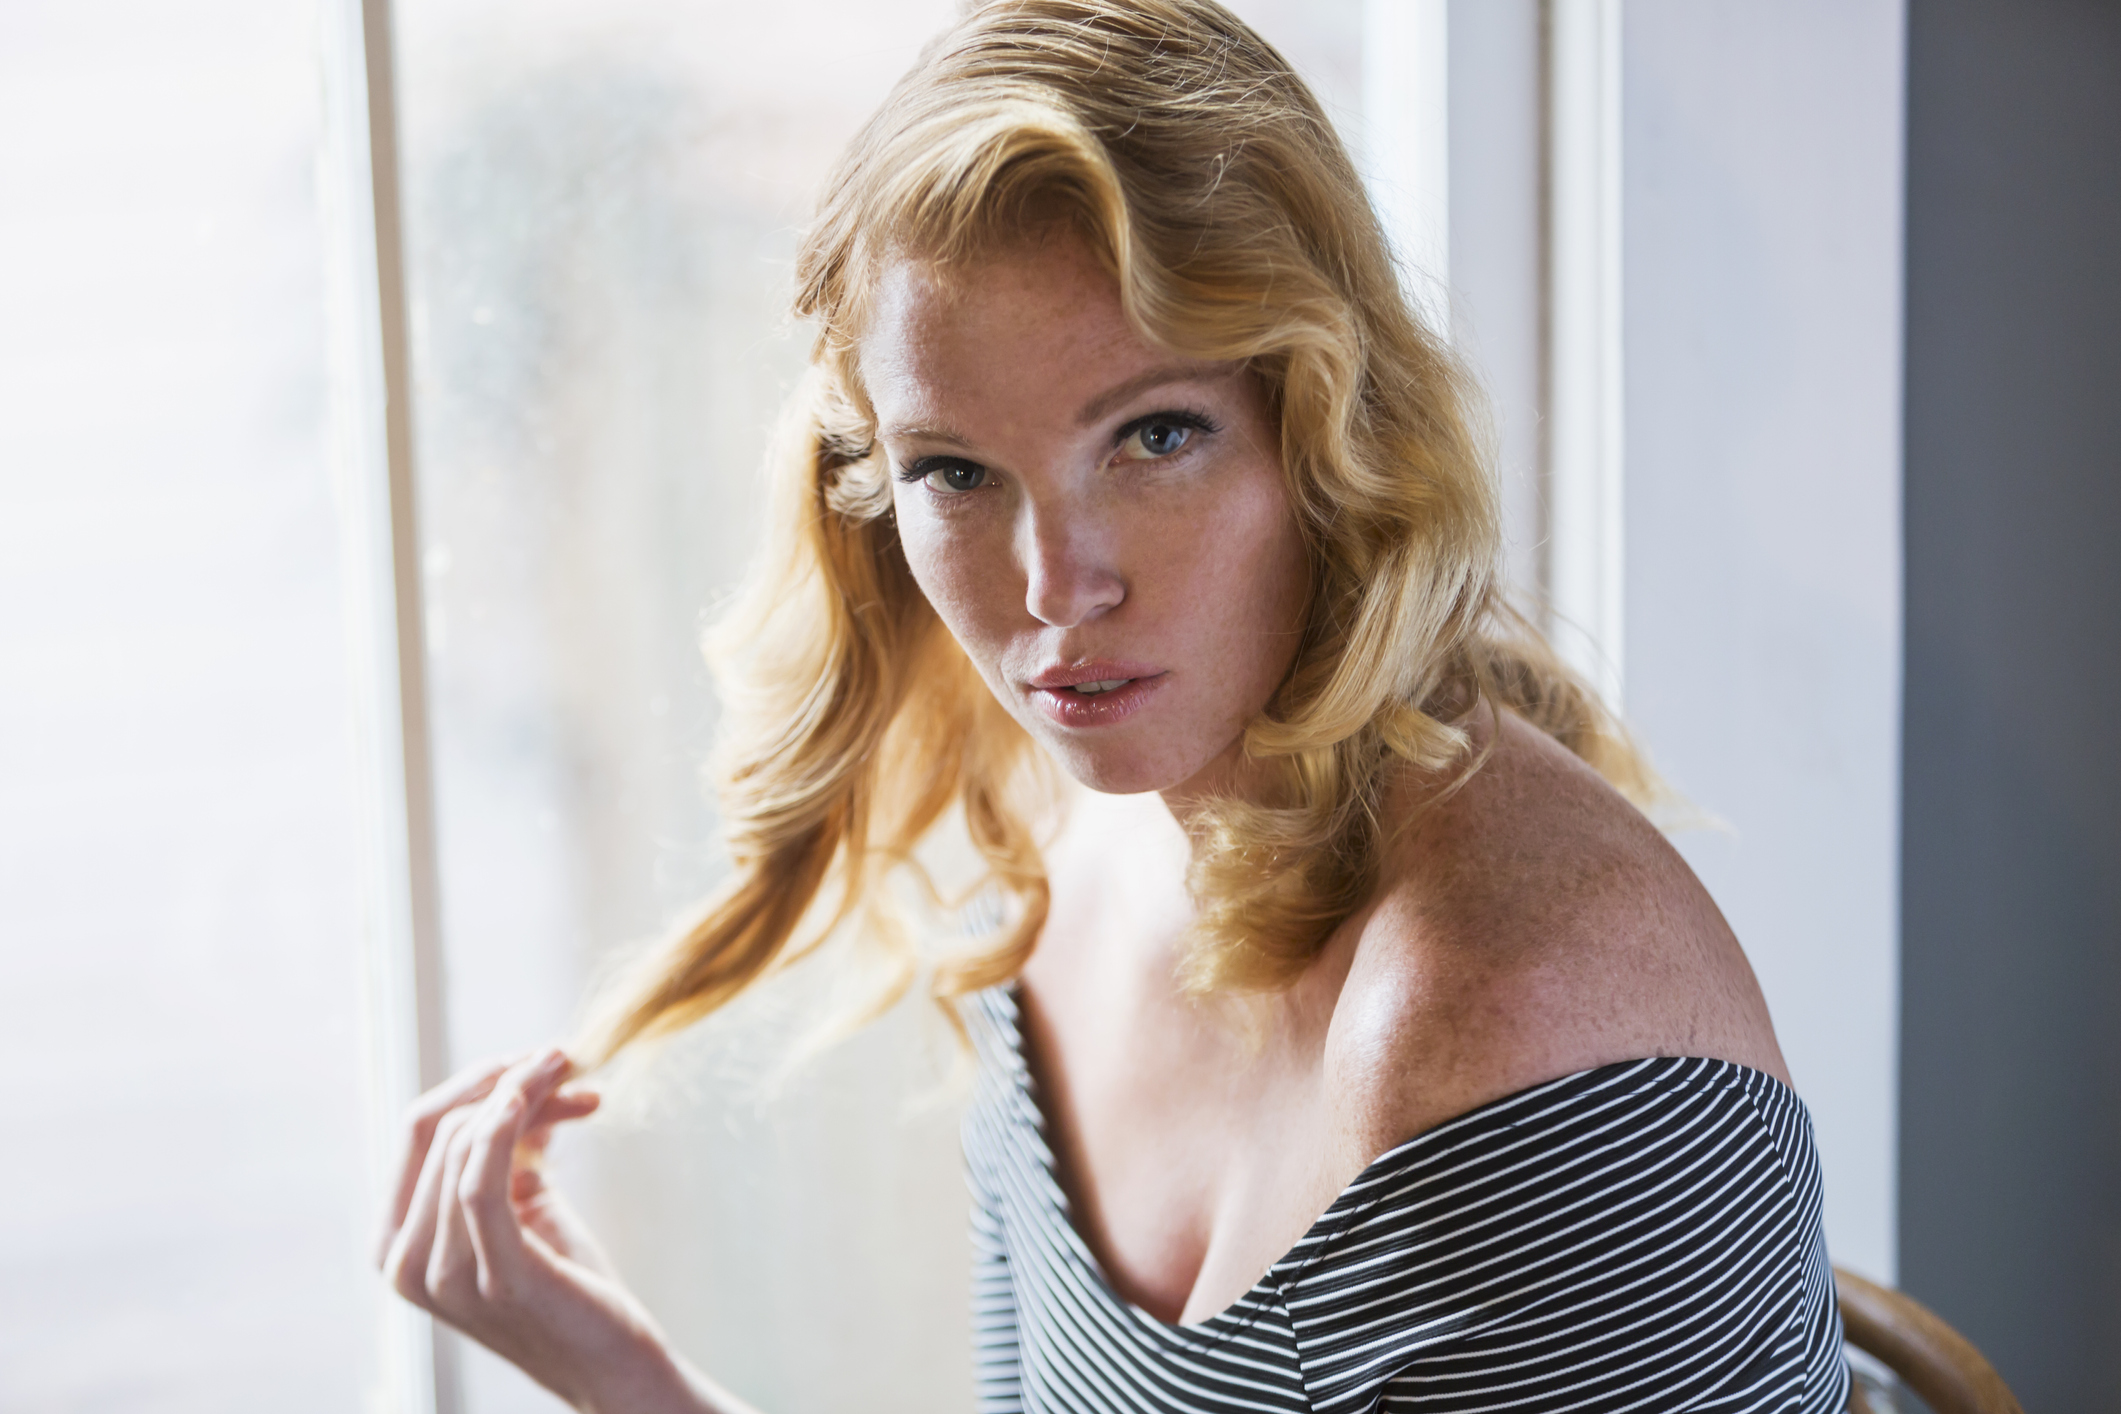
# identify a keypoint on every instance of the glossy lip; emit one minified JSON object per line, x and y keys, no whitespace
{"x":1095,"y":670}
{"x":1050,"y":690}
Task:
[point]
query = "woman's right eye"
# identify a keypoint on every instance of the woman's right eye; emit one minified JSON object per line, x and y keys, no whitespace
{"x":950,"y":477}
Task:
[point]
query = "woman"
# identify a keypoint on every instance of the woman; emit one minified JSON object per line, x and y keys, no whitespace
{"x":1348,"y":1039}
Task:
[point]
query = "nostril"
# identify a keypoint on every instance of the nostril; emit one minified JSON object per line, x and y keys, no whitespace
{"x":1066,"y":605}
{"x":1068,"y":566}
{"x":1065,"y":594}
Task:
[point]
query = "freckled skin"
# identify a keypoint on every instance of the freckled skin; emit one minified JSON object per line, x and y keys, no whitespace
{"x":1531,"y":926}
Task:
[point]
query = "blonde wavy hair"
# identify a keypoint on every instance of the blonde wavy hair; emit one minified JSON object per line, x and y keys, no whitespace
{"x":1203,"y":174}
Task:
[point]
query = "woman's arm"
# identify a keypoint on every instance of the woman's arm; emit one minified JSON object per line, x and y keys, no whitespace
{"x":476,"y":1237}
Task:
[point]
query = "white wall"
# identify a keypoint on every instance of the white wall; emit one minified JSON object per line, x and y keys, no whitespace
{"x":1763,"y":182}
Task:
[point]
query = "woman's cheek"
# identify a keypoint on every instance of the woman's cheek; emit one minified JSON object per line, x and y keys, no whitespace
{"x":942,"y":566}
{"x":917,"y":540}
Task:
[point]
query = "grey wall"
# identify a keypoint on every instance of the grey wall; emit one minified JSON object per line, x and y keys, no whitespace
{"x":2010,"y":1132}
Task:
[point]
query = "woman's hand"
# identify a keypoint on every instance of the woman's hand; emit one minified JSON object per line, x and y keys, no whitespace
{"x":476,"y":1237}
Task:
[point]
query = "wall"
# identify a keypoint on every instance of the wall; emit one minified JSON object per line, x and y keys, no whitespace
{"x":2010,"y":1130}
{"x":1498,"y":252}
{"x":1762,"y":323}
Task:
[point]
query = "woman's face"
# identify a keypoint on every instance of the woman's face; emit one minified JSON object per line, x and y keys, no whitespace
{"x":1102,"y":526}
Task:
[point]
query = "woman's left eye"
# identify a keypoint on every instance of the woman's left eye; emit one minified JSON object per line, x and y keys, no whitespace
{"x":1156,"y":438}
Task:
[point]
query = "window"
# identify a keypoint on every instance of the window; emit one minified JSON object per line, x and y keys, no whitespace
{"x":183,"y":1206}
{"x":601,"y":210}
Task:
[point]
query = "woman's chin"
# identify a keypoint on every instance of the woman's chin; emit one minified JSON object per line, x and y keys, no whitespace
{"x":1110,"y":769}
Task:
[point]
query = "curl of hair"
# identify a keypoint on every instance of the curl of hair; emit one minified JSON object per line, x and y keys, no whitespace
{"x":1203,"y":174}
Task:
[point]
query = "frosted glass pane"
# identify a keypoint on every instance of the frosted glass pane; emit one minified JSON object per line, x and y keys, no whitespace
{"x":182,"y":1216}
{"x":603,"y":202}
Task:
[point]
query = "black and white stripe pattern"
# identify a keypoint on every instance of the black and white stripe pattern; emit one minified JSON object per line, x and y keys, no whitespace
{"x":1645,"y":1236}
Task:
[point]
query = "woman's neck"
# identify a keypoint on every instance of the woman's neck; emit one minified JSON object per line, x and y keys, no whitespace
{"x":1231,"y":776}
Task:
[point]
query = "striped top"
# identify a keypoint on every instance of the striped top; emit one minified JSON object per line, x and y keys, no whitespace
{"x":1644,"y":1236}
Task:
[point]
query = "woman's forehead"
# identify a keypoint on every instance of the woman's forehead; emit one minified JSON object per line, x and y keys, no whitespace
{"x":1048,"y":283}
{"x":1041,"y":320}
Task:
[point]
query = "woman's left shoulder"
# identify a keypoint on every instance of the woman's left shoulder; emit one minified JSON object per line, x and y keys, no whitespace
{"x":1532,"y":926}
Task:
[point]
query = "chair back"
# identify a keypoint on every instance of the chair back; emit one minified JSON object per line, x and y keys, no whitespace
{"x":1940,"y":1365}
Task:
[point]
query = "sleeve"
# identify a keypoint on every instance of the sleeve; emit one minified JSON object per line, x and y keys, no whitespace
{"x":1641,"y":1248}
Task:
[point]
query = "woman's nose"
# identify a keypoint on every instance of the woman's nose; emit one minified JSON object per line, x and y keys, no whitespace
{"x":1071,"y":572}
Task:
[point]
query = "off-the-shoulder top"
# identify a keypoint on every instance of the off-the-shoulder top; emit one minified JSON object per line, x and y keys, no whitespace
{"x":1643,"y":1236}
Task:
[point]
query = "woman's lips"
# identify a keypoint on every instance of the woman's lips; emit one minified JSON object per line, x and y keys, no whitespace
{"x":1071,"y":707}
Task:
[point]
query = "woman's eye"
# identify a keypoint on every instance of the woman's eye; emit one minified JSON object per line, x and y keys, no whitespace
{"x":952,"y":478}
{"x":1154,"y":439}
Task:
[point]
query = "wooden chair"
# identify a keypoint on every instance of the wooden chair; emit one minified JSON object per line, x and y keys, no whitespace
{"x":1931,"y":1359}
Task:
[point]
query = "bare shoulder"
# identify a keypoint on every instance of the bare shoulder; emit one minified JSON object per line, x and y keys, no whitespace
{"x":1533,"y":926}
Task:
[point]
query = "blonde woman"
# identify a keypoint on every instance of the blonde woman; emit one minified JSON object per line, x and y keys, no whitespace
{"x":1348,"y":1039}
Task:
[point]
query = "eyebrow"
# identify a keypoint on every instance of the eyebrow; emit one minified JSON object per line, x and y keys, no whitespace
{"x":1101,"y":406}
{"x":916,"y":432}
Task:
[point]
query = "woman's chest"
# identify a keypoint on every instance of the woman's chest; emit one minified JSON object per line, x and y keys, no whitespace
{"x":1196,"y":1141}
{"x":1195,"y":1144}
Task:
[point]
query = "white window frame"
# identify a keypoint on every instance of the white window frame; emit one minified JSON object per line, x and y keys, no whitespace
{"x":1585,"y":443}
{"x":1406,"y":112}
{"x":372,"y":448}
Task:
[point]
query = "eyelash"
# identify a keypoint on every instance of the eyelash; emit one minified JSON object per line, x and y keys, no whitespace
{"x":924,"y":467}
{"x":1177,"y":417}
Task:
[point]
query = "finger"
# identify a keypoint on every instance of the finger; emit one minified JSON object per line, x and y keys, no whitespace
{"x":558,"y":1110}
{"x":453,"y":1262}
{"x":469,"y":1084}
{"x":405,"y":1262}
{"x":483,"y":1187}
{"x":525,"y":1185}
{"x":564,"y":1106}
